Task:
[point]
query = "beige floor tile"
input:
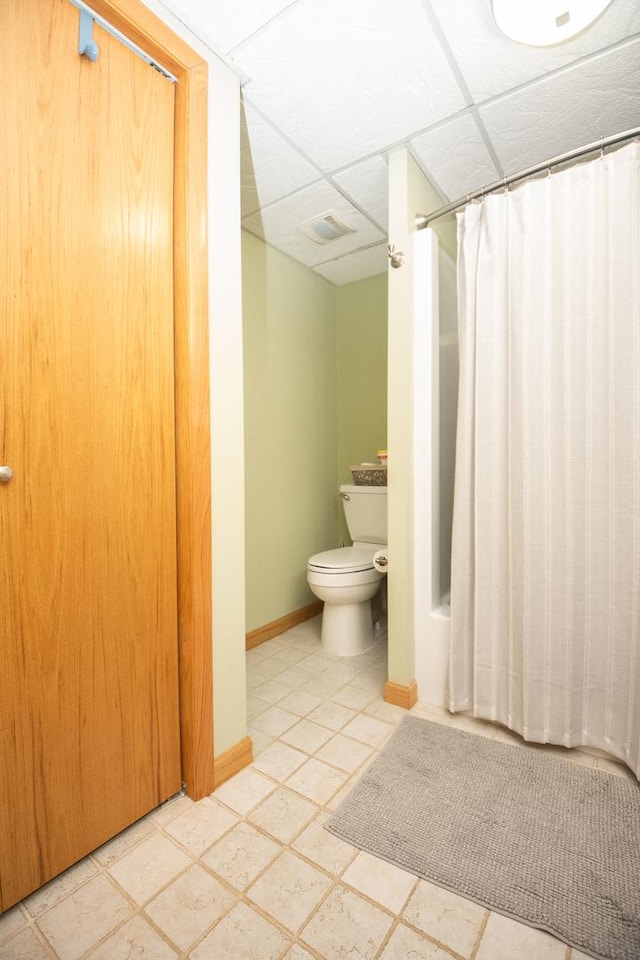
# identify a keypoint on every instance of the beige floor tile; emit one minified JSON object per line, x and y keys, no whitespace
{"x":114,"y":849}
{"x":245,"y":790}
{"x":255,"y":706}
{"x":328,"y":851}
{"x":323,"y":686}
{"x":242,"y":935}
{"x":12,"y":921}
{"x":368,"y":730}
{"x":430,"y":712}
{"x":284,"y":814}
{"x":289,"y":890}
{"x":274,"y":721}
{"x":273,"y":690}
{"x":301,"y":703}
{"x":169,"y":810}
{"x":317,"y":781}
{"x":448,"y":918}
{"x":136,"y":939}
{"x":59,"y":888}
{"x":380,"y":881}
{"x":332,"y":715}
{"x":372,"y":680}
{"x":298,"y":953}
{"x":334,"y":802}
{"x":353,"y":697}
{"x":316,"y":663}
{"x":344,"y":670}
{"x":260,"y":741}
{"x":346,"y":926}
{"x":143,"y":871}
{"x":24,"y":946}
{"x":256,"y":675}
{"x":464,"y":721}
{"x":506,"y":939}
{"x":405,"y":943}
{"x":200,"y":826}
{"x":344,"y":752}
{"x":308,"y":628}
{"x":382,"y":710}
{"x":241,"y":855}
{"x":190,"y":906}
{"x":263,"y":671}
{"x":258,"y":654}
{"x":279,"y":760}
{"x":306,"y":735}
{"x":87,"y":915}
{"x":291,"y":655}
{"x":298,"y":675}
{"x":577,"y":955}
{"x":308,"y":642}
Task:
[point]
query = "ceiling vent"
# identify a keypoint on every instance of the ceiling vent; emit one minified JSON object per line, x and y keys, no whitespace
{"x":326,"y":228}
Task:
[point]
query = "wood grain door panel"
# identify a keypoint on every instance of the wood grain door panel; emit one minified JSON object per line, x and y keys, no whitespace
{"x":89,"y":727}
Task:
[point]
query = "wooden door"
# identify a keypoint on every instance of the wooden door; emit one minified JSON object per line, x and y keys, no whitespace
{"x":89,"y":727}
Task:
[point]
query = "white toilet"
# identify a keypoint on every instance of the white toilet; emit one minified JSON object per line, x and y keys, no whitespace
{"x":346,"y":578}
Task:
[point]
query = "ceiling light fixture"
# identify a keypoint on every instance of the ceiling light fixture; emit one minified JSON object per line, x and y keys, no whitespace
{"x":543,"y":23}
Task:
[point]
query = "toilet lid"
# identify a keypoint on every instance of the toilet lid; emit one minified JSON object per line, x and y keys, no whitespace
{"x":347,"y":559}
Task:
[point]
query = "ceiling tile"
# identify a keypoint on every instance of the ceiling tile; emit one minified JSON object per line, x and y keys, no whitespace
{"x":367,"y":184}
{"x":455,"y":157}
{"x":227,"y":24}
{"x":279,"y":224}
{"x":355,"y":266}
{"x":491,"y":64}
{"x":271,"y":168}
{"x":566,"y":111}
{"x":344,"y":80}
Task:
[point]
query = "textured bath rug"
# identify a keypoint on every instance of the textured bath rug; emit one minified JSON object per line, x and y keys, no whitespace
{"x":535,"y":837}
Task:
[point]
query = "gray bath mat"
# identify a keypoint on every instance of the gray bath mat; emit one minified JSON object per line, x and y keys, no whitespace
{"x":535,"y":837}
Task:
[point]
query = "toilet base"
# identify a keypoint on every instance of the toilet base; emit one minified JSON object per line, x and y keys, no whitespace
{"x":347,"y":628}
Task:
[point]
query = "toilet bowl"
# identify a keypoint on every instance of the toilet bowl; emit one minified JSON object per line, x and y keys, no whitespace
{"x":346,"y":580}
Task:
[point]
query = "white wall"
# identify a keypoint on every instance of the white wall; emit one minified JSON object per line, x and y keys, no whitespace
{"x":410,"y":193}
{"x":227,"y":415}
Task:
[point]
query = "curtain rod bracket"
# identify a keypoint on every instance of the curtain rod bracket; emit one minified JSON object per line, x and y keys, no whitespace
{"x":396,"y":257}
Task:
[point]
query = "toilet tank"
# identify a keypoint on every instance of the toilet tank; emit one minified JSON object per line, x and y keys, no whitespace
{"x":365,"y":509}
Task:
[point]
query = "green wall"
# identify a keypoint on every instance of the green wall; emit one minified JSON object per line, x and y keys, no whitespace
{"x":315,"y":402}
{"x":362,"y":372}
{"x":289,"y":321}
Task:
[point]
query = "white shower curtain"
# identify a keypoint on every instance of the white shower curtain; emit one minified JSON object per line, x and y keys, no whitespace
{"x":545,"y":594}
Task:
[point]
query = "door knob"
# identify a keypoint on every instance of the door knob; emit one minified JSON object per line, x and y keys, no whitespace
{"x":6,"y":473}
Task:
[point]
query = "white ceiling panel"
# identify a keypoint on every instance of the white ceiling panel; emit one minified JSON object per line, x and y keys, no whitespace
{"x":455,"y":157}
{"x":344,"y":80}
{"x":491,"y":64}
{"x":279,"y":224}
{"x":271,"y":168}
{"x":367,"y":184}
{"x":333,"y":85}
{"x":355,"y":266}
{"x":228,"y":24}
{"x":568,"y":110}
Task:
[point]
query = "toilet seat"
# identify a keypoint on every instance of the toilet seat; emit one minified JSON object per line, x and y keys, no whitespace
{"x":342,"y":560}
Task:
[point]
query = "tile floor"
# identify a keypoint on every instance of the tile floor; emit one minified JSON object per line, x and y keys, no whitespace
{"x":249,"y":873}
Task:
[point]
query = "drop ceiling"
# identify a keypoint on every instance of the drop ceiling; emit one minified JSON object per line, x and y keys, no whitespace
{"x":330,"y":87}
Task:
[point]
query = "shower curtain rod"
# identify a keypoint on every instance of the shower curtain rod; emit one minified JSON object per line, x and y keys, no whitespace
{"x":423,"y":220}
